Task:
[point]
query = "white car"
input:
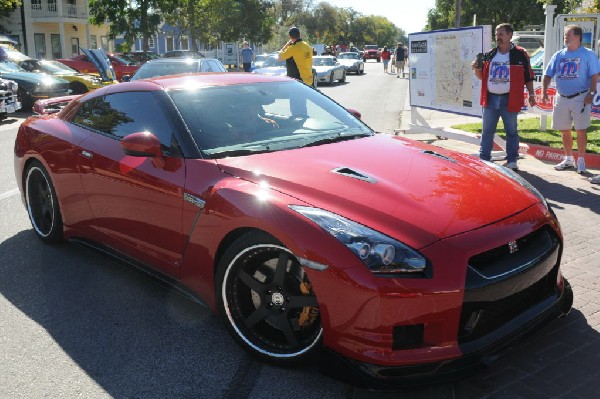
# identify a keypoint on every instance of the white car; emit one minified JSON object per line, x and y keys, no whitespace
{"x":352,"y":62}
{"x":329,"y":69}
{"x":275,"y":67}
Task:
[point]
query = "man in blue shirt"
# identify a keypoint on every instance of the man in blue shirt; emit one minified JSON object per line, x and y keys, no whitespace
{"x":247,"y":57}
{"x":576,"y":71}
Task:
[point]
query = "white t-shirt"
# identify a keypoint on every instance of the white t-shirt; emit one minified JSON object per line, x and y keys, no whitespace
{"x":499,"y":76}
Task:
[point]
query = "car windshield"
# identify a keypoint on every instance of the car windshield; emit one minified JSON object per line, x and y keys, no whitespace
{"x":9,"y":66}
{"x":151,"y":69}
{"x":273,"y":62}
{"x":239,"y":120}
{"x":55,"y":67}
{"x":123,"y":60}
{"x":323,"y":61}
{"x":261,"y":57}
{"x":348,"y":56}
{"x":371,"y":47}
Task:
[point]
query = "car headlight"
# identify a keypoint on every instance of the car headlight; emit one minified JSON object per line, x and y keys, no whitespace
{"x":380,"y":253}
{"x":519,"y":179}
{"x":14,"y":86}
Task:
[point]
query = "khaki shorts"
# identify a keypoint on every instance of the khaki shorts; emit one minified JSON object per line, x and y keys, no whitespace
{"x":568,"y":112}
{"x":400,"y":65}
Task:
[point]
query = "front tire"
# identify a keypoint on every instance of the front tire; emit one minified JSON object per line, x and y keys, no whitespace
{"x":77,"y":88}
{"x":267,"y":302}
{"x":42,"y":204}
{"x":25,"y":99}
{"x":343,"y":79}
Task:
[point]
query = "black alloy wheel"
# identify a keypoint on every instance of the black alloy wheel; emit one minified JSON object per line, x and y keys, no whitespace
{"x":42,"y":204}
{"x":25,"y":99}
{"x":267,"y":301}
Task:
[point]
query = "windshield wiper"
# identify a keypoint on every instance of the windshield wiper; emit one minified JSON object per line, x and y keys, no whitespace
{"x":239,"y":152}
{"x":334,"y":139}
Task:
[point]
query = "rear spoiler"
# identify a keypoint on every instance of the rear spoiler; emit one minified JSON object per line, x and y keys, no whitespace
{"x":52,"y":105}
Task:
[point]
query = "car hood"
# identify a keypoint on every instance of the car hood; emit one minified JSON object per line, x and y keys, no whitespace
{"x":277,"y":71}
{"x":419,"y":194}
{"x":32,"y":78}
{"x":102,"y":64}
{"x":323,"y":68}
{"x":348,"y":61}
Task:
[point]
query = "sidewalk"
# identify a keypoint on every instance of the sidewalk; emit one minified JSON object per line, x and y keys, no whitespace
{"x":563,"y":359}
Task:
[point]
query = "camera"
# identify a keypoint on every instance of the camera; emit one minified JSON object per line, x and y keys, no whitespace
{"x":479,"y":61}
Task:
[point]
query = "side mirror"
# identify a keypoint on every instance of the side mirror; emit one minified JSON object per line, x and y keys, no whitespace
{"x":125,"y":78}
{"x":143,"y":144}
{"x":354,"y":112}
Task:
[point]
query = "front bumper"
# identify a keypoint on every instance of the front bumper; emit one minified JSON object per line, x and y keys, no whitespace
{"x":480,"y":297}
{"x":477,"y":353}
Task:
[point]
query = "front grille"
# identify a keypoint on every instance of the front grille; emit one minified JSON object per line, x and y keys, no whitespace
{"x":527,"y":249}
{"x":501,"y":285}
{"x":478,"y":319}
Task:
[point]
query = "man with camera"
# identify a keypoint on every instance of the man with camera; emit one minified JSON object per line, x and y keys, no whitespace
{"x":503,"y":72}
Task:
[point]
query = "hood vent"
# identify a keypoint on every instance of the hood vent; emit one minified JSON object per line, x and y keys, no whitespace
{"x":435,"y":154}
{"x":345,"y":171}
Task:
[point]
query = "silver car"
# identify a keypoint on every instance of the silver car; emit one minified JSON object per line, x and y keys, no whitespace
{"x":329,"y":69}
{"x":352,"y":62}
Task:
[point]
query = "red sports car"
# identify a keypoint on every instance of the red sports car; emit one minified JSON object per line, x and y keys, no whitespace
{"x":306,"y":231}
{"x":82,"y":63}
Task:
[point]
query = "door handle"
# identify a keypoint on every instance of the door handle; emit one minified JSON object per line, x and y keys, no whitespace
{"x":87,"y":154}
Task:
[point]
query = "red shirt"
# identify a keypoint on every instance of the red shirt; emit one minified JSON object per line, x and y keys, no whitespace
{"x":385,"y":55}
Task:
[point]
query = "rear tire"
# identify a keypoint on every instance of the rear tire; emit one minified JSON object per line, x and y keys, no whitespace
{"x":42,"y":204}
{"x":77,"y":88}
{"x":266,"y":301}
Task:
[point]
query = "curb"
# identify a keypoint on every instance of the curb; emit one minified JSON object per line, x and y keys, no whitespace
{"x":550,"y":154}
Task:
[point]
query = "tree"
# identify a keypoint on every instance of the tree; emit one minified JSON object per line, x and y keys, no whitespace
{"x":132,"y":19}
{"x":517,"y":12}
{"x":212,"y":21}
{"x":8,"y":6}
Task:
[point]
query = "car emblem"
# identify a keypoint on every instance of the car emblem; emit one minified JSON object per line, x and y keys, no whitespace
{"x":513,"y":247}
{"x":277,"y":299}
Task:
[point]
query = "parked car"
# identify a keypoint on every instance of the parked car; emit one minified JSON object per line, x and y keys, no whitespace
{"x":273,"y":66}
{"x":79,"y":83}
{"x":371,"y":52}
{"x":174,"y":66}
{"x":182,"y":54}
{"x":530,"y":41}
{"x":82,"y":63}
{"x":259,"y":60}
{"x":352,"y":62}
{"x":278,"y":209}
{"x":9,"y":100}
{"x":329,"y":69}
{"x":141,"y":56}
{"x":32,"y":86}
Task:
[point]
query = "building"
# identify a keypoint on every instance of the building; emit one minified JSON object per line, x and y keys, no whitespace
{"x":50,"y":29}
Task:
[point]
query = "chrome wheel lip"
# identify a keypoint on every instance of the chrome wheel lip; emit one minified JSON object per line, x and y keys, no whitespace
{"x":232,"y":322}
{"x":34,"y":221}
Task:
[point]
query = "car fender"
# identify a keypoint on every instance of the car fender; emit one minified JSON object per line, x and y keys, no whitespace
{"x":237,"y":206}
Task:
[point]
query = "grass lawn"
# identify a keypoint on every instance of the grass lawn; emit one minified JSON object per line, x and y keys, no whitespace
{"x":529,"y":132}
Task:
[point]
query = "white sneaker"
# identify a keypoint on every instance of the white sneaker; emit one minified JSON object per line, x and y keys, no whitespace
{"x":565,"y":164}
{"x":595,"y":179}
{"x":581,"y":165}
{"x":511,"y":165}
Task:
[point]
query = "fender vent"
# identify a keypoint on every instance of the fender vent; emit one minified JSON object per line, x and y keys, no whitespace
{"x":345,"y":171}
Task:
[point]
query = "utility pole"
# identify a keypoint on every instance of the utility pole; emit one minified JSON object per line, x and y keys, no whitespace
{"x":457,"y":19}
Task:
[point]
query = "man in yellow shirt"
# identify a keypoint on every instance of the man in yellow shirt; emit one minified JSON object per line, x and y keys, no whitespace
{"x":298,"y":56}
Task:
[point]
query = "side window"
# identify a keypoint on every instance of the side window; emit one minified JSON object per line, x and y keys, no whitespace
{"x":121,"y":114}
{"x":90,"y":114}
{"x":133,"y":112}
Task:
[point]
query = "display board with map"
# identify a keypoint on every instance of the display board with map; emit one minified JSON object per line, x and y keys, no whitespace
{"x":440,"y":76}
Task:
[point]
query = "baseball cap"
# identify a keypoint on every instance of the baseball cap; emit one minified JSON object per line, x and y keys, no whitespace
{"x":294,"y":32}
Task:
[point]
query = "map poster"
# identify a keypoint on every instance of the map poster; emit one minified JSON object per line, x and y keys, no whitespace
{"x":440,"y":75}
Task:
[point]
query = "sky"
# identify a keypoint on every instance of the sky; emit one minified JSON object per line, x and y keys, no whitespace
{"x":409,"y":15}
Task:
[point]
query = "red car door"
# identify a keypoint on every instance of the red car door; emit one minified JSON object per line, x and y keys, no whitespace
{"x":136,"y":201}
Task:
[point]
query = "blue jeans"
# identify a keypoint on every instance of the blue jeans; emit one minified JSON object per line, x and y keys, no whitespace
{"x":496,"y":109}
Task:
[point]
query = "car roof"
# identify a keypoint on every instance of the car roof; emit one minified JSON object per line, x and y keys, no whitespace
{"x":189,"y":60}
{"x":185,"y":81}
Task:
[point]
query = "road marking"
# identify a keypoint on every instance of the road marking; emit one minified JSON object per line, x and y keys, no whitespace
{"x":10,"y":193}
